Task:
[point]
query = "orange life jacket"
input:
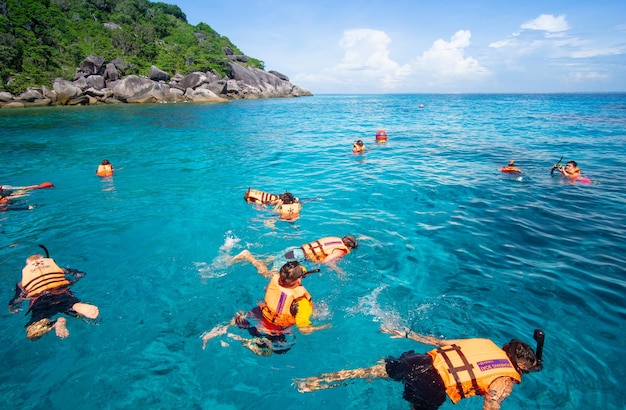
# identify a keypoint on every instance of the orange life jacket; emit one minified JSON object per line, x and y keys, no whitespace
{"x":317,"y":251}
{"x":259,"y":197}
{"x":104,"y":170}
{"x":276,"y":307}
{"x":41,"y":275}
{"x":469,"y":366}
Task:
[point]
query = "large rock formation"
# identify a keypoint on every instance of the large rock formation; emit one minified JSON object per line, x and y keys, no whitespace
{"x":101,"y":82}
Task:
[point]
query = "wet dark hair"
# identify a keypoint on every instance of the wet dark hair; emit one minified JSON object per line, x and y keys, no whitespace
{"x":573,"y":163}
{"x":359,"y":143}
{"x":520,"y":353}
{"x":291,"y":272}
{"x":288,"y":198}
{"x":105,"y":162}
{"x":350,"y":241}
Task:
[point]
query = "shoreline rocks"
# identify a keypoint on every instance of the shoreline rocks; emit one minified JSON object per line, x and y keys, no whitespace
{"x":100,"y":82}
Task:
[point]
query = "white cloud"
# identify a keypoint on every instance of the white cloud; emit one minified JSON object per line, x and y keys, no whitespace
{"x":447,"y":58}
{"x":547,"y":22}
{"x":611,"y":51}
{"x":366,"y":65}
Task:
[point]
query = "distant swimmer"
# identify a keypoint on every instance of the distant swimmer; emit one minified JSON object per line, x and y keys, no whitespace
{"x":261,"y":198}
{"x":570,"y":171}
{"x":358,"y":147}
{"x":105,"y":169}
{"x":26,"y":188}
{"x":510,"y":168}
{"x":324,"y":250}
{"x":381,"y":136}
{"x":288,"y":207}
{"x":270,"y":323}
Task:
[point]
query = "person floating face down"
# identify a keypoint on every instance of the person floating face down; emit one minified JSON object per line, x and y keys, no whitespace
{"x":286,"y":304}
{"x":323,"y":250}
{"x":47,"y":286}
{"x":288,"y":207}
{"x":105,"y":169}
{"x":457,"y":369}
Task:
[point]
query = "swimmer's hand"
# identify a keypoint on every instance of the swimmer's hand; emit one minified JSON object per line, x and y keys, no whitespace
{"x":395,"y":333}
{"x":310,"y":384}
{"x":14,"y":309}
{"x":75,"y":272}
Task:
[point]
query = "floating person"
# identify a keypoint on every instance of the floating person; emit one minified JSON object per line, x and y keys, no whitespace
{"x":47,"y":286}
{"x":421,"y":106}
{"x":511,"y":168}
{"x":11,"y":188}
{"x":270,"y":323}
{"x":105,"y":169}
{"x":358,"y":147}
{"x":323,"y":250}
{"x":261,"y":198}
{"x":288,"y":207}
{"x":381,"y":136}
{"x":457,"y":368}
{"x":8,"y":203}
{"x":570,"y":171}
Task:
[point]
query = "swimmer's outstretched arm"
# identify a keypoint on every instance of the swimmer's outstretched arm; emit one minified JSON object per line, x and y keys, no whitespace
{"x":331,"y":380}
{"x":409,"y":334}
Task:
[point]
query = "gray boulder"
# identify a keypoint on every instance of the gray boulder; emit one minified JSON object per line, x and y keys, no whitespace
{"x":157,"y":74}
{"x":92,"y":65}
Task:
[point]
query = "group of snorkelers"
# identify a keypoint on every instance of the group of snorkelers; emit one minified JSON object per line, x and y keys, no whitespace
{"x":455,"y":369}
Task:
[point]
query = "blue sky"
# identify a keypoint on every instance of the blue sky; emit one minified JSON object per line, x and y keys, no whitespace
{"x":414,"y":46}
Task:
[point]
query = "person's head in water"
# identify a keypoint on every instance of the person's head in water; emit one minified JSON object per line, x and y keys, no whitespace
{"x":33,"y":258}
{"x":290,"y":273}
{"x":350,"y":241}
{"x":288,"y":198}
{"x":521,"y":355}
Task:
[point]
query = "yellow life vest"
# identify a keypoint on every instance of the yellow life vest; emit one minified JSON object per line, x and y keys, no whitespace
{"x":276,"y":307}
{"x":105,"y":170}
{"x":317,"y":251}
{"x":469,"y":366}
{"x":41,"y":275}
{"x":259,"y":197}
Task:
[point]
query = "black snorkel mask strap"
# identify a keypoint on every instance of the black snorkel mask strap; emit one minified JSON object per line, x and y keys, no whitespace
{"x":539,"y":337}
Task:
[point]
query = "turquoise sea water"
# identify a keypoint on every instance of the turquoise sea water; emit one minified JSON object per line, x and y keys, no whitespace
{"x":455,"y":249}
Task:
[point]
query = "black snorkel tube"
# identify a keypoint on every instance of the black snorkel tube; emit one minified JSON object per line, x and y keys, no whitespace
{"x":308,"y":272}
{"x":539,"y":337}
{"x":45,"y":249}
{"x":556,"y":165}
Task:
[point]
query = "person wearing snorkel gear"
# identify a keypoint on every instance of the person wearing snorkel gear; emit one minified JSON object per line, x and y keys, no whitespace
{"x":288,"y":207}
{"x":457,"y":368}
{"x":105,"y":169}
{"x":323,"y":250}
{"x":358,"y":147}
{"x":270,"y":323}
{"x":510,"y":168}
{"x":570,"y":170}
{"x":47,"y":286}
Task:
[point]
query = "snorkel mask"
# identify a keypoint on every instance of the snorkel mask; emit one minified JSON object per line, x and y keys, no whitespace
{"x":292,"y":271}
{"x":518,"y":351}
